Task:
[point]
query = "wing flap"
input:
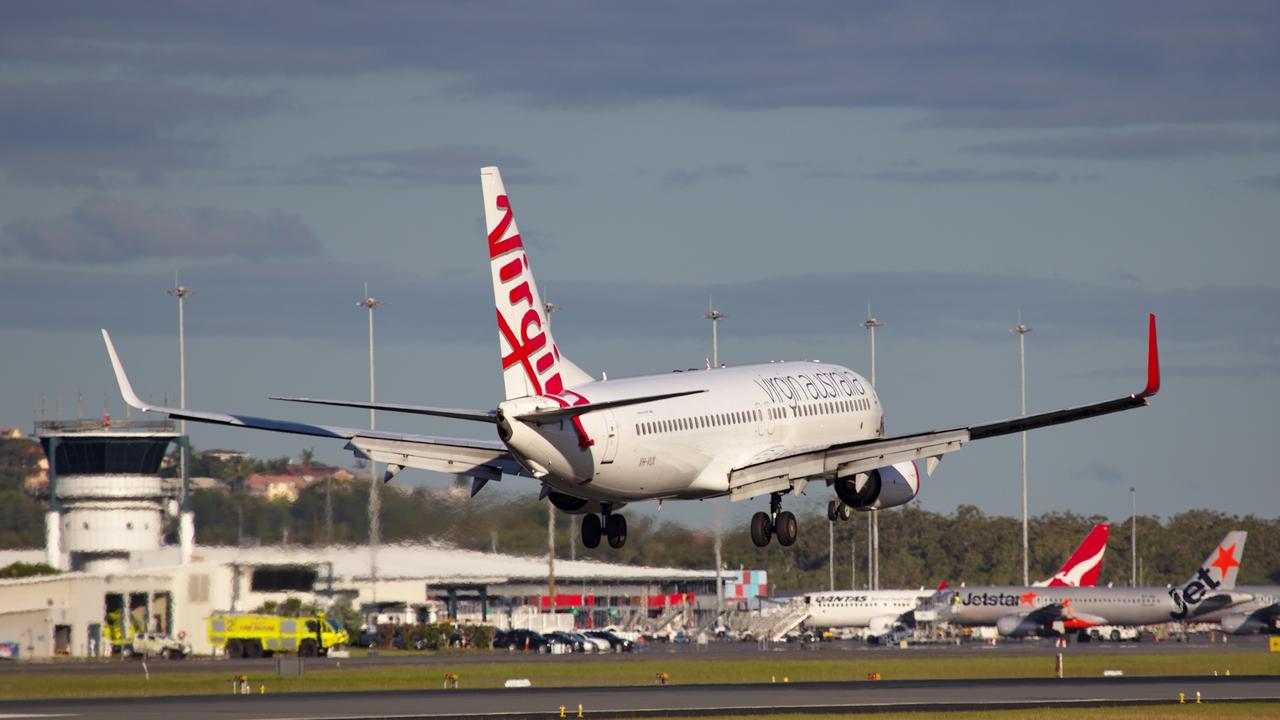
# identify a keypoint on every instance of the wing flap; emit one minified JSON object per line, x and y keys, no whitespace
{"x":458,"y":457}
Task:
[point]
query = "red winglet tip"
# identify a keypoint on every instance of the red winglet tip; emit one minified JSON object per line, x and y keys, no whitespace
{"x":1153,"y":360}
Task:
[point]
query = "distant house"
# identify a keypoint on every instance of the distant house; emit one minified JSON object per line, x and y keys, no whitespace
{"x":11,"y":433}
{"x":226,"y":455}
{"x":275,"y":487}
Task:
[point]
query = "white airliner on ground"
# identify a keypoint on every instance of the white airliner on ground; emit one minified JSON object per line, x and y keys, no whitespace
{"x":596,"y":445}
{"x":881,"y":610}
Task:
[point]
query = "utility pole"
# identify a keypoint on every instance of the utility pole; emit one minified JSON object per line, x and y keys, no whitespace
{"x":715,"y":316}
{"x":551,"y":556}
{"x":873,"y":518}
{"x":1133,"y":536}
{"x":1022,"y":329}
{"x":186,"y":518}
{"x":375,"y":491}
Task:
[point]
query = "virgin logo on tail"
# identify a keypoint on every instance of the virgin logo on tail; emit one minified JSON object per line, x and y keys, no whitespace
{"x":529,"y":354}
{"x":1081,"y":569}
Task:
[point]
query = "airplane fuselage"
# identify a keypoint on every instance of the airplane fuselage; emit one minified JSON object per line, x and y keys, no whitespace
{"x":861,"y":608}
{"x":684,"y":447}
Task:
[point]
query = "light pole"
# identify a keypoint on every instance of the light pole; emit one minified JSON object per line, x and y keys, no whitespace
{"x":1022,"y":329}
{"x":186,"y":519}
{"x":375,"y":497}
{"x":1133,"y":536}
{"x":715,"y":316}
{"x":873,"y":518}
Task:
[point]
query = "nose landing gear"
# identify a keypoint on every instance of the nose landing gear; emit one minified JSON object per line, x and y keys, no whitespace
{"x":612,"y":526}
{"x":775,"y":523}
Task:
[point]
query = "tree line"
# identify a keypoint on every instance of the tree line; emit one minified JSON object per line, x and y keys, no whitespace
{"x":917,"y":547}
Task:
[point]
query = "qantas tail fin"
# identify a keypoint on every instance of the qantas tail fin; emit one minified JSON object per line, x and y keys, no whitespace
{"x":1223,"y":563}
{"x":1081,"y":569}
{"x":531,"y":362}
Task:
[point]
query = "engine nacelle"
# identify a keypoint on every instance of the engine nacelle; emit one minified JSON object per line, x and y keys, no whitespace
{"x":884,"y":487}
{"x":1020,"y":626}
{"x":579,"y":506}
{"x":1241,"y":624}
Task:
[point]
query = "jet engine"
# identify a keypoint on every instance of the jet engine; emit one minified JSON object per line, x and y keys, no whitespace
{"x":579,"y":506}
{"x":883,"y":487}
{"x":1242,"y":624}
{"x":1019,"y":626}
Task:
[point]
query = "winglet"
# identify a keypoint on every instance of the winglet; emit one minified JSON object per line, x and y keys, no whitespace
{"x":126,"y":390}
{"x":1153,"y":361}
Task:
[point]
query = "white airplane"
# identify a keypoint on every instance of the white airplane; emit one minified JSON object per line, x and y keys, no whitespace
{"x":881,"y":610}
{"x":596,"y":445}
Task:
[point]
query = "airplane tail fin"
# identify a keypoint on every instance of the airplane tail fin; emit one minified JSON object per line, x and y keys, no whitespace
{"x":1081,"y":569}
{"x":531,"y":361}
{"x":1223,"y":563}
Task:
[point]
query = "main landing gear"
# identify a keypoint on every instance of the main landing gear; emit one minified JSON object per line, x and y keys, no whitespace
{"x":837,"y":510}
{"x":775,"y":523}
{"x":612,"y":526}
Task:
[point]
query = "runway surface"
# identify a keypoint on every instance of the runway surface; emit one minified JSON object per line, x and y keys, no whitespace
{"x":659,"y":701}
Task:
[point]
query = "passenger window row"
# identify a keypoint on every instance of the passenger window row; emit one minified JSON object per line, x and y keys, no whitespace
{"x":701,"y":422}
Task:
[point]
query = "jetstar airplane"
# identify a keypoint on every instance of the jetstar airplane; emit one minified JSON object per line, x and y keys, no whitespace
{"x":1019,"y":611}
{"x":596,"y":445}
{"x":881,"y":610}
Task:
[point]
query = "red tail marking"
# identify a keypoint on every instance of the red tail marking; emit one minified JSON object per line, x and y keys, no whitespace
{"x":498,"y":246}
{"x":1226,"y":559}
{"x":1153,"y":360}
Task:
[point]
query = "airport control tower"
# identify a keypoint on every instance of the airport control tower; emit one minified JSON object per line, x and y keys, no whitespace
{"x":106,"y":497}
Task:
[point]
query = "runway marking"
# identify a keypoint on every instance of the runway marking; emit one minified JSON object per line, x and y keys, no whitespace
{"x":15,"y":716}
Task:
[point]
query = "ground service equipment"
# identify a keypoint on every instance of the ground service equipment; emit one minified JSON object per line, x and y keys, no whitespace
{"x":251,"y":636}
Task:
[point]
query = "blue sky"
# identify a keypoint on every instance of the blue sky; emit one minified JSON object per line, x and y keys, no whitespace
{"x":949,"y":164}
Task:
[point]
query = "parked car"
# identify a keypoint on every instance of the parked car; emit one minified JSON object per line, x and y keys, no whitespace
{"x":156,"y":645}
{"x":523,"y":640}
{"x":594,"y":644}
{"x":617,"y":644}
{"x":575,"y":643}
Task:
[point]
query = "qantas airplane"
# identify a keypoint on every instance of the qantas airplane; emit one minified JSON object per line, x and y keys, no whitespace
{"x":882,"y":609}
{"x":596,"y":445}
{"x":1018,"y":611}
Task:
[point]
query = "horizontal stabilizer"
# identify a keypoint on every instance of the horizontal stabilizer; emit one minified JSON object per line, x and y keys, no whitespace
{"x":489,"y":416}
{"x":554,"y":414}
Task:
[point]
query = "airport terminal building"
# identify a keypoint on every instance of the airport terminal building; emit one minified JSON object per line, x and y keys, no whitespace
{"x":107,"y":508}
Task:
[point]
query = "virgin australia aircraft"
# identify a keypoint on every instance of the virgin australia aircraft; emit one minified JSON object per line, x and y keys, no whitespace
{"x":882,"y":609}
{"x":596,"y":445}
{"x":1018,"y":611}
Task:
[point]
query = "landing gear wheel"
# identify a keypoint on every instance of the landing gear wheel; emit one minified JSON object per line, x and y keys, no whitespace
{"x":615,"y":526}
{"x":591,"y":530}
{"x":785,"y":528}
{"x":761,"y":529}
{"x":844,"y":512}
{"x":833,"y":507}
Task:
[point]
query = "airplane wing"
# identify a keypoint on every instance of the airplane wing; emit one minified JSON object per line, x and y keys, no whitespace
{"x":482,"y":460}
{"x":847,"y":459}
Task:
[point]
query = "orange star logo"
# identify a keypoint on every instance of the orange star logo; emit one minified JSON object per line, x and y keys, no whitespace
{"x":1226,"y":559}
{"x":1027,"y":599}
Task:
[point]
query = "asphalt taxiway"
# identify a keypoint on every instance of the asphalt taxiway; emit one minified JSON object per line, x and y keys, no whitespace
{"x":669,"y":700}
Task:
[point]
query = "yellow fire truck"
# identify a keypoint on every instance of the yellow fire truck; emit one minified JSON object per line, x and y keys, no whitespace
{"x":251,"y":636}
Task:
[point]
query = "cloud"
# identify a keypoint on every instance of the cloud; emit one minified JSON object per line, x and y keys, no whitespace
{"x":94,"y":133}
{"x":1102,"y":472}
{"x":1199,"y":327}
{"x":410,"y":167}
{"x":972,"y":65}
{"x":1148,"y":144}
{"x":966,"y":175}
{"x":683,"y":178}
{"x":1266,"y":182}
{"x":106,"y":230}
